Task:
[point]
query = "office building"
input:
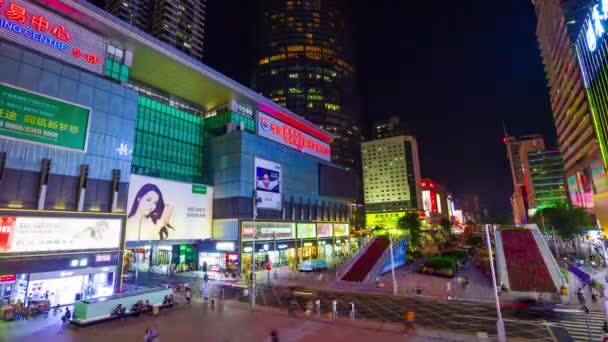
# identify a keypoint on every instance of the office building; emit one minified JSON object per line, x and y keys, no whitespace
{"x":389,"y":128}
{"x":179,"y":23}
{"x":304,"y":64}
{"x":558,"y":24}
{"x":591,"y":45}
{"x":469,"y":204}
{"x":517,"y":153}
{"x":547,"y":178}
{"x":108,"y":165}
{"x":436,"y":202}
{"x":391,"y":176}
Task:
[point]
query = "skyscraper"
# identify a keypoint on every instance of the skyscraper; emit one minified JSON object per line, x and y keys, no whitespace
{"x":303,"y":63}
{"x":558,"y":25}
{"x":180,"y":23}
{"x":517,"y":153}
{"x":389,"y":128}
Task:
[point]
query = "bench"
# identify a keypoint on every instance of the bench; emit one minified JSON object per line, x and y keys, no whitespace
{"x":110,"y":317}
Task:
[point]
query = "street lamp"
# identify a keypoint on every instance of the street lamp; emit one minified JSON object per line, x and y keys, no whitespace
{"x":255,"y":214}
{"x":500,"y":325}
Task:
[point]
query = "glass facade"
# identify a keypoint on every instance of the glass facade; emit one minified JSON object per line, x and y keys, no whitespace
{"x":217,"y":124}
{"x":117,"y":70}
{"x":168,"y":142}
{"x":547,"y":175}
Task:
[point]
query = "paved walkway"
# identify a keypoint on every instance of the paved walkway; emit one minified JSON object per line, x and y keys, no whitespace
{"x":225,"y":322}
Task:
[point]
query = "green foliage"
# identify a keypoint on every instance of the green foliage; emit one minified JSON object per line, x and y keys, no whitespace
{"x":441,"y":262}
{"x":446,"y":225}
{"x":474,"y":240}
{"x":456,"y":253}
{"x":568,"y":221}
{"x":411,"y":224}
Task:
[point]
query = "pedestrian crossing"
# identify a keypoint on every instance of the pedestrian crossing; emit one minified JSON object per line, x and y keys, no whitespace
{"x":577,"y":327}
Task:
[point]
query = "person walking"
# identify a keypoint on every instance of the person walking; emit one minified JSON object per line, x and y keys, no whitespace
{"x":274,"y":337}
{"x":188,"y":296}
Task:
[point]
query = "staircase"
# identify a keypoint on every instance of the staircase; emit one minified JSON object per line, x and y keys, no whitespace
{"x":369,"y":257}
{"x":526,"y":268}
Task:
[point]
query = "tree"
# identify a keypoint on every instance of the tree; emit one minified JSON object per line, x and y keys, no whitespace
{"x":392,"y":234}
{"x":567,"y":221}
{"x":446,"y":226}
{"x":411,"y":226}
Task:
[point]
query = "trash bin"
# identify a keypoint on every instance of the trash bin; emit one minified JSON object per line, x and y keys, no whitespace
{"x":155,"y":310}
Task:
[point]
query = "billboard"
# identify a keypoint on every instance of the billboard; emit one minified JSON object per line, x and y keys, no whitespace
{"x":385,"y":220}
{"x":306,"y":231}
{"x":325,"y":230}
{"x":44,"y":234}
{"x":160,"y":209}
{"x":34,"y":118}
{"x":268,"y":178}
{"x":275,"y":130}
{"x":426,"y":201}
{"x":341,"y":229}
{"x":439,"y":203}
{"x":598,"y":175}
{"x":48,"y":33}
{"x":268,"y":230}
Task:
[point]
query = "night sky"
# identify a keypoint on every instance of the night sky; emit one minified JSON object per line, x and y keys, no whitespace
{"x":452,"y":72}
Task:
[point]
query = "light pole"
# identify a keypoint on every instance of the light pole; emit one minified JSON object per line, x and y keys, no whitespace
{"x":255,"y":232}
{"x":137,"y":253}
{"x":393,"y":266}
{"x":500,"y":325}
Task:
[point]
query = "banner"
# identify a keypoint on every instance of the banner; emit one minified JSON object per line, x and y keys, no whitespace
{"x":306,"y":231}
{"x":268,"y":184}
{"x":39,"y":119}
{"x":268,"y":230}
{"x":341,"y":229}
{"x":325,"y":230}
{"x":42,"y":234}
{"x":160,"y":209}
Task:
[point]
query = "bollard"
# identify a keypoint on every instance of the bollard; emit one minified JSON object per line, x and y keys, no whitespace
{"x":334,"y":309}
{"x":318,"y":307}
{"x":352,"y":310}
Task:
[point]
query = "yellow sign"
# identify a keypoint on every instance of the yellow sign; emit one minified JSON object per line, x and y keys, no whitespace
{"x":385,"y":220}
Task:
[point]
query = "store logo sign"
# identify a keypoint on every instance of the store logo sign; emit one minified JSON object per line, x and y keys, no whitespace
{"x":49,"y":33}
{"x":7,"y":278}
{"x":224,"y":246}
{"x":124,"y":150}
{"x":595,"y":24}
{"x":265,"y":124}
{"x":103,"y":257}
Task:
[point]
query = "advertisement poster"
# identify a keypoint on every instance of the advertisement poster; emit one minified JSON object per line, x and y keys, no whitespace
{"x":399,"y":250}
{"x":426,"y":201}
{"x":268,"y":184}
{"x":39,"y":119}
{"x":306,"y":231}
{"x":575,"y":195}
{"x":160,"y":209}
{"x":42,"y":234}
{"x":341,"y":229}
{"x":325,"y":230}
{"x":268,"y":230}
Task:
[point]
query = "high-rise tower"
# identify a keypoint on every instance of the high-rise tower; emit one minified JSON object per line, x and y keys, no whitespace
{"x":180,"y":23}
{"x":303,"y":63}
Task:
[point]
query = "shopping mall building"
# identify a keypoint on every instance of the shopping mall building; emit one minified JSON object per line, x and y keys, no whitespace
{"x":119,"y":151}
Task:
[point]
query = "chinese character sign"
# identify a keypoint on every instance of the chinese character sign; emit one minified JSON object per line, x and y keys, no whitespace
{"x":595,"y":24}
{"x":37,"y":234}
{"x":44,"y":31}
{"x":385,"y":220}
{"x":39,"y":119}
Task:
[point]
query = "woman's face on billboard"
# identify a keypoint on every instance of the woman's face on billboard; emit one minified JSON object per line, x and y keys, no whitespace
{"x":148,"y":202}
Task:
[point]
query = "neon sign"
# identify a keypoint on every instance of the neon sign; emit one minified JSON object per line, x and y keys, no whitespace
{"x":285,"y":134}
{"x":44,"y":31}
{"x":595,"y":27}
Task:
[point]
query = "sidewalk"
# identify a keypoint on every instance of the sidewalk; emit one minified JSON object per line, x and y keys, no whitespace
{"x":227,"y":321}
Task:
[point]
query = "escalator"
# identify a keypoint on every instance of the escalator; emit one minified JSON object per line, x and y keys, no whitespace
{"x":364,"y":264}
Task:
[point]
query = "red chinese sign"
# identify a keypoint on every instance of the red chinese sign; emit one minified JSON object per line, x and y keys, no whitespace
{"x":6,"y":278}
{"x":40,"y":29}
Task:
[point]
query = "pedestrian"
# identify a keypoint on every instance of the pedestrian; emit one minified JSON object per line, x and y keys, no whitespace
{"x":188,"y":296}
{"x":205,"y":277}
{"x":68,"y":315}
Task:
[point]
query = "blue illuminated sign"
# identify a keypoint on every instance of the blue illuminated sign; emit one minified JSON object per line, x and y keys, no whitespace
{"x":595,"y":26}
{"x":33,"y":35}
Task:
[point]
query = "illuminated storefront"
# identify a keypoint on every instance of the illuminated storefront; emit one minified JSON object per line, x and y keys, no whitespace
{"x":287,"y":243}
{"x":62,"y":257}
